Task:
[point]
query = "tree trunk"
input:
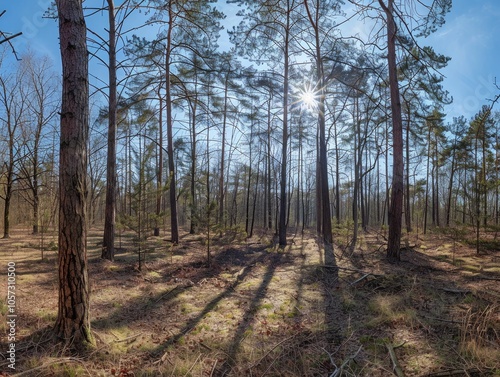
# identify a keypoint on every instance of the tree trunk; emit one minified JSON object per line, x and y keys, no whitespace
{"x":407,"y":191}
{"x":357,"y":176}
{"x":170,"y":137}
{"x":108,"y":244}
{"x":337,"y":174}
{"x":269,"y":214}
{"x":247,"y":194}
{"x":220,"y":219}
{"x":284,"y":153}
{"x":450,"y":187}
{"x":426,"y":204}
{"x":255,"y":195}
{"x":193,"y":207}
{"x":6,"y":210}
{"x":35,"y":191}
{"x":159,"y":175}
{"x":323,"y":191}
{"x":396,"y":204}
{"x":73,"y":324}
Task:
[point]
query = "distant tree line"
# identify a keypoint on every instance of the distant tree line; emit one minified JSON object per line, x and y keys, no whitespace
{"x":294,"y":125}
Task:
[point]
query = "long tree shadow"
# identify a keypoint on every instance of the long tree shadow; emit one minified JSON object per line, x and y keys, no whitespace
{"x":192,"y":323}
{"x":134,"y":309}
{"x":329,"y":280}
{"x":300,"y":285}
{"x":249,"y":317}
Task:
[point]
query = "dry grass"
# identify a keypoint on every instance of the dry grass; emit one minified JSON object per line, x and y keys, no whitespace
{"x":480,"y":335}
{"x":260,"y":311}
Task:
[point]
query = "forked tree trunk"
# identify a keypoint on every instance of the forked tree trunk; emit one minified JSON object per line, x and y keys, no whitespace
{"x":73,"y":324}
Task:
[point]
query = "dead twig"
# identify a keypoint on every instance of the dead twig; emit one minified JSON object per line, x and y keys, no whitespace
{"x":205,"y":346}
{"x":213,"y":368}
{"x":271,"y":350}
{"x":338,"y":371}
{"x":346,"y":269}
{"x":361,"y":279}
{"x":192,"y":366}
{"x":133,"y":337}
{"x":453,"y":372}
{"x":48,"y":364}
{"x":443,"y":320}
{"x":166,"y":294}
{"x":487,"y":278}
{"x":457,"y":291}
{"x":396,"y":367}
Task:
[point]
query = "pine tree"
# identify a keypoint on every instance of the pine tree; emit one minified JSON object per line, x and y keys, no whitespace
{"x":73,"y":321}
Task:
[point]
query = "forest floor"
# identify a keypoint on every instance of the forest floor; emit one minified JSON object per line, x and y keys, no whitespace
{"x":262,"y":311}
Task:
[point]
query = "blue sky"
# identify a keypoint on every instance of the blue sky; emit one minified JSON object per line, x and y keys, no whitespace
{"x":469,"y":37}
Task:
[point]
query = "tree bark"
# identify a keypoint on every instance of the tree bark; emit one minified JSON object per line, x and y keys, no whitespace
{"x":7,"y":200}
{"x":220,"y":218}
{"x":323,"y":204}
{"x":174,"y":226}
{"x":73,"y":324}
{"x":269,"y":201}
{"x":108,"y":244}
{"x":284,"y":153}
{"x":407,"y":191}
{"x":396,"y":204}
{"x":159,"y":174}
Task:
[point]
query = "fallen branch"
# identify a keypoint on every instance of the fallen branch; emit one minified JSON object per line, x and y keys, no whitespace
{"x":213,"y":367}
{"x":443,"y":320}
{"x":47,"y":364}
{"x":458,"y":291}
{"x":167,"y":293}
{"x":487,"y":278}
{"x":346,"y":269}
{"x":192,"y":366}
{"x":396,"y":367}
{"x":453,"y":372}
{"x":133,"y":337}
{"x":361,"y":279}
{"x":271,"y":350}
{"x":338,"y":371}
{"x":205,"y":346}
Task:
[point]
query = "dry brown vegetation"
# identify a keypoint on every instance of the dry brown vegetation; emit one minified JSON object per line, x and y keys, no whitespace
{"x":261,"y":311}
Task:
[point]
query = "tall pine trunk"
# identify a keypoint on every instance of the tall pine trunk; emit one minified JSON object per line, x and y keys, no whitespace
{"x":284,"y":153}
{"x":108,"y":245}
{"x":159,"y":174}
{"x":407,"y":191}
{"x":73,"y":324}
{"x":396,"y":203}
{"x":174,"y":226}
{"x":220,"y":216}
{"x":323,"y":191}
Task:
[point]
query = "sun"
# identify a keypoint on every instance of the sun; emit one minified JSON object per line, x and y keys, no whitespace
{"x":308,"y":99}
